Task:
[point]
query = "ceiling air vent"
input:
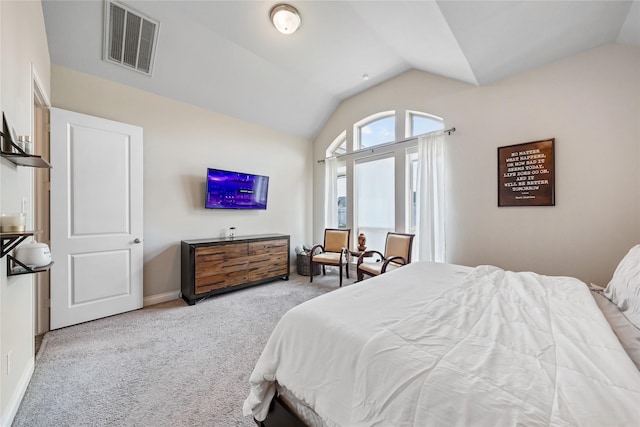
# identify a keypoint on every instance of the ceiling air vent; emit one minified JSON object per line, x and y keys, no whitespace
{"x":130,"y":37}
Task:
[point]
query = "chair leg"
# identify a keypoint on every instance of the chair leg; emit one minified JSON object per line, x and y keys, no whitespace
{"x":310,"y":270}
{"x":360,"y":275}
{"x":340,"y":274}
{"x":324,"y":271}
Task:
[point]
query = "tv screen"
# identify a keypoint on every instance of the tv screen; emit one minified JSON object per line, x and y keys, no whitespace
{"x":236,"y":190}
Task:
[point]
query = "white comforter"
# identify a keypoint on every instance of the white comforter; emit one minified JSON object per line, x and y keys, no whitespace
{"x":435,"y":344}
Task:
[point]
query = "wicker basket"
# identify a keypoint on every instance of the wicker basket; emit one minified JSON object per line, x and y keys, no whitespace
{"x":302,"y":264}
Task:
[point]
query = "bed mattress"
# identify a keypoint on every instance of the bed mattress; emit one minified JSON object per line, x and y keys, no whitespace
{"x":435,"y":343}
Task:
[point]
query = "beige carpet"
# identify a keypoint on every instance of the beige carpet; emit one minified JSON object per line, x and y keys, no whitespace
{"x":164,"y":365}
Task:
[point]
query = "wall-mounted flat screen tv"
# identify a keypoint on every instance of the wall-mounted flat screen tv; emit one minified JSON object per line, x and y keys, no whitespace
{"x":236,"y":190}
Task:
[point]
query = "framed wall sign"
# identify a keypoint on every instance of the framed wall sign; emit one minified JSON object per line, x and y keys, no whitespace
{"x":526,"y":174}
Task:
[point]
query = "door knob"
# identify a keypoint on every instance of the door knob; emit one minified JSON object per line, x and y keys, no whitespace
{"x":136,"y":240}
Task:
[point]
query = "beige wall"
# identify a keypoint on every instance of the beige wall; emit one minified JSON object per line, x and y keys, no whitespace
{"x":23,"y":54}
{"x":590,"y":103}
{"x":180,"y":142}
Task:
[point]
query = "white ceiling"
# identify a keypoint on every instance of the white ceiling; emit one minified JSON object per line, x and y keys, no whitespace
{"x":226,"y":56}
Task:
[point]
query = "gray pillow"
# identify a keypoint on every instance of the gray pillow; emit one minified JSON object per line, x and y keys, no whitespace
{"x":628,"y":334}
{"x":624,"y":288}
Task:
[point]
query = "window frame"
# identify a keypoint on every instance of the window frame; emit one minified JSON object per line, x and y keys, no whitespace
{"x":411,"y":154}
{"x":333,"y":148}
{"x":357,"y":128}
{"x":410,"y":114}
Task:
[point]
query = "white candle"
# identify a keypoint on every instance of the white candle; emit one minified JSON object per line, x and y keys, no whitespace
{"x":13,"y":222}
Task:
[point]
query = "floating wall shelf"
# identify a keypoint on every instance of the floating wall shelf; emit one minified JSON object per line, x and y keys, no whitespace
{"x":26,"y":159}
{"x":8,"y":242}
{"x":13,"y":262}
{"x":15,"y":154}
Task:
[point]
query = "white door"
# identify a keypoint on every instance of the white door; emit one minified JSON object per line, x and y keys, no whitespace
{"x":96,"y":218}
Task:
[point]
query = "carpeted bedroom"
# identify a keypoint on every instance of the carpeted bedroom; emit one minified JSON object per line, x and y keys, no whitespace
{"x":165,"y":365}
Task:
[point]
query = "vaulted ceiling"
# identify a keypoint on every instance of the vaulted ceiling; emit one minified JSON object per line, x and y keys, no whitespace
{"x":226,"y":56}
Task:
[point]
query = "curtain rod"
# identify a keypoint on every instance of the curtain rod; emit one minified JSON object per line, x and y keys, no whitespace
{"x":372,"y":149}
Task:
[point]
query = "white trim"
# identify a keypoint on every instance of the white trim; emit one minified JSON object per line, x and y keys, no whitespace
{"x":36,"y":83}
{"x":160,"y":298}
{"x":16,"y":398}
{"x":340,"y":139}
{"x":41,"y":303}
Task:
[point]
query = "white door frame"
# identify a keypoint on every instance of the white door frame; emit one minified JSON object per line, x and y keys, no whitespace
{"x":40,"y":198}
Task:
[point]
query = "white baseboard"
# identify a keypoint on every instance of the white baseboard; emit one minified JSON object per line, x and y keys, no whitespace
{"x":16,"y":398}
{"x":159,"y":298}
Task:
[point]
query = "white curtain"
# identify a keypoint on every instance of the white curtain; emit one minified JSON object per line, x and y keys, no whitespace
{"x":331,"y":193}
{"x":430,"y":230}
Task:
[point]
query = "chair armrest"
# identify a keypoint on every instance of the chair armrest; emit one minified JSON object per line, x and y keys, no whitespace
{"x":312,"y":252}
{"x":368,"y":254}
{"x":396,"y":259}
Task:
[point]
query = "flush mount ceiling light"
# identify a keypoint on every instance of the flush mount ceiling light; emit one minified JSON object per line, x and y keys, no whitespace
{"x":285,"y":18}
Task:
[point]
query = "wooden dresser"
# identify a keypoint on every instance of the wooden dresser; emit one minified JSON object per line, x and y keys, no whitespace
{"x":213,"y":266}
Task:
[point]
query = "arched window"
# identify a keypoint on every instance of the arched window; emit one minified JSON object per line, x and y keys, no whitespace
{"x":374,"y":130}
{"x":375,"y":189}
{"x":338,"y":146}
{"x":419,"y":123}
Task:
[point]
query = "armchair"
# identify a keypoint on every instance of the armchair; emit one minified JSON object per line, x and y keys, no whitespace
{"x":334,"y":251}
{"x":397,"y":253}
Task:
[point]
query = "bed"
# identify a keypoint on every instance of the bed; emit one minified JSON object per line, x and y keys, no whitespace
{"x":441,"y":344}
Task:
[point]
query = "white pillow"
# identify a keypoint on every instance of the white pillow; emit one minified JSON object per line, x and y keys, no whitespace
{"x":624,"y":288}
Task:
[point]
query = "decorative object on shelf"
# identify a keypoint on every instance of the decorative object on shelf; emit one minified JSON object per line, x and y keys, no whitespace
{"x":526,"y":174}
{"x":11,"y":223}
{"x":9,"y":241}
{"x":232,"y":232}
{"x":20,"y":155}
{"x":362,"y":242}
{"x":28,"y":145}
{"x":33,"y":254}
{"x":21,"y":143}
